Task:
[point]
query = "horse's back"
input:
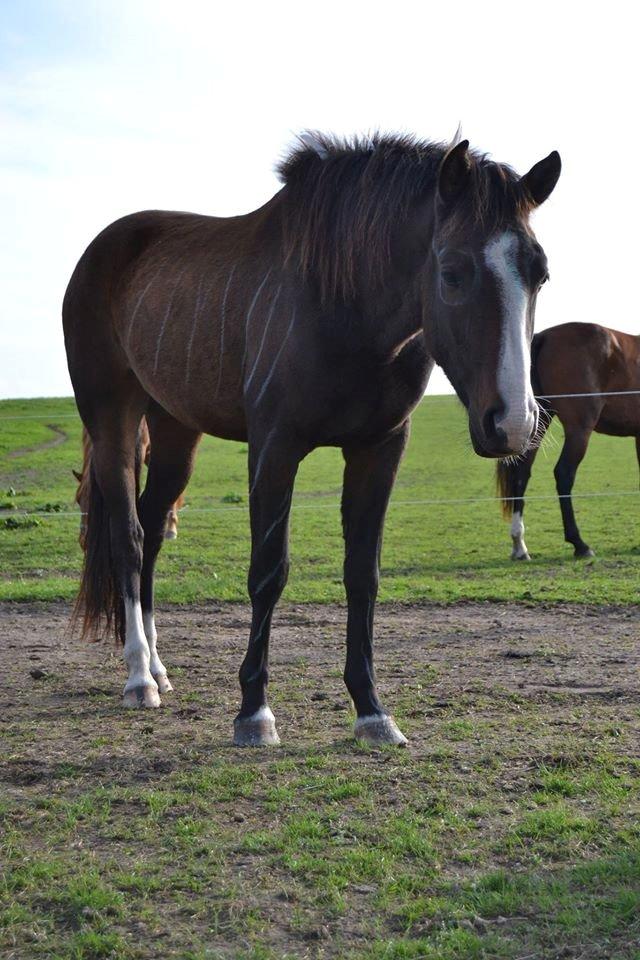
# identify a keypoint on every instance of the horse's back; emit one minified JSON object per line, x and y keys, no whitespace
{"x":587,"y":358}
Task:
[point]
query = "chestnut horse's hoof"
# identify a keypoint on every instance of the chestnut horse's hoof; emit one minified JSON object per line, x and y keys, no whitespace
{"x":583,"y":553}
{"x":164,"y":684}
{"x":170,"y":534}
{"x":141,"y":697}
{"x":258,"y":730}
{"x":379,"y":729}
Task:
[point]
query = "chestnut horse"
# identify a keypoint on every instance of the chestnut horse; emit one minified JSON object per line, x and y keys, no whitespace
{"x":582,"y":359}
{"x":143,"y":454}
{"x":312,"y":321}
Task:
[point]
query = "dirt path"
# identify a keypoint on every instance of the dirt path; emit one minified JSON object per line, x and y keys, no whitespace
{"x":60,"y":437}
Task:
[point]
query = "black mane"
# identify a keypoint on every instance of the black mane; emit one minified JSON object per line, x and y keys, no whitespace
{"x":346,"y":198}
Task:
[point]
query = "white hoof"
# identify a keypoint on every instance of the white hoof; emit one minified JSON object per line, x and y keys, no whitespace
{"x":142,"y":697}
{"x":170,"y":534}
{"x":378,"y":729}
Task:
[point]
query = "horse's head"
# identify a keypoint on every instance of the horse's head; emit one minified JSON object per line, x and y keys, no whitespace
{"x":484,"y":273}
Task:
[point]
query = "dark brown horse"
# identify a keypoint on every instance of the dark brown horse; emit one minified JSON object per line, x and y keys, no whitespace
{"x":143,"y":455}
{"x":310,"y":322}
{"x":580,"y":359}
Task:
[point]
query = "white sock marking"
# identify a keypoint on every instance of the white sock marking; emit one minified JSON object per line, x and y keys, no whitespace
{"x":156,"y":665}
{"x":517,"y":536}
{"x":514,"y":363}
{"x":136,"y":648}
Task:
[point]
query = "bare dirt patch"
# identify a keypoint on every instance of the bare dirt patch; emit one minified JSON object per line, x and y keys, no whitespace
{"x":488,"y":694}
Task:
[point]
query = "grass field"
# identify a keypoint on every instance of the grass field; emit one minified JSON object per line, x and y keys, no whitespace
{"x":508,"y":830}
{"x":437,"y":551}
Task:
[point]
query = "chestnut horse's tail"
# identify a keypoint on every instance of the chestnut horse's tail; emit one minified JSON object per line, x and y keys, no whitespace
{"x":99,"y":607}
{"x":506,"y":477}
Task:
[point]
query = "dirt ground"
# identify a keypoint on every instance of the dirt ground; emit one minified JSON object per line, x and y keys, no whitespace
{"x":503,"y":670}
{"x":536,"y":652}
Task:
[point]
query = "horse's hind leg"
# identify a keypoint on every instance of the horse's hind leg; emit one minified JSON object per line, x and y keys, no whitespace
{"x":273,"y":462}
{"x":173,"y":448}
{"x":573,"y":451}
{"x":113,"y":559}
{"x":368,"y":480}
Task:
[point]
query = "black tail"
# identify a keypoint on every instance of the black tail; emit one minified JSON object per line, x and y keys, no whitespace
{"x":506,"y":476}
{"x":99,"y":607}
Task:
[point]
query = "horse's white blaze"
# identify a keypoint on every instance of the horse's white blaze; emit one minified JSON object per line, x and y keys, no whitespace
{"x":156,"y":665}
{"x":136,"y":648}
{"x":517,"y":535}
{"x":514,"y":361}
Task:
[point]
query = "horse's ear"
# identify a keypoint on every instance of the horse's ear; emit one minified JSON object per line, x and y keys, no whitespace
{"x":542,"y":177}
{"x":77,"y":475}
{"x":454,"y":172}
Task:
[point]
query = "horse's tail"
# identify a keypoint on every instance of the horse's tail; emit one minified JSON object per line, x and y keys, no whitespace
{"x":506,"y":475}
{"x":99,"y":607}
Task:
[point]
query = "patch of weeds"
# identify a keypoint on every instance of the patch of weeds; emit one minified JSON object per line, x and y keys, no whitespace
{"x":19,"y":523}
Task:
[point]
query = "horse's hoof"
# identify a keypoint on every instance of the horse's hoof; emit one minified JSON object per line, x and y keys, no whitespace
{"x":378,"y":729}
{"x":520,"y":556}
{"x":583,"y":553}
{"x":164,"y":684}
{"x":256,"y":731}
{"x":141,"y":697}
{"x":171,"y":534}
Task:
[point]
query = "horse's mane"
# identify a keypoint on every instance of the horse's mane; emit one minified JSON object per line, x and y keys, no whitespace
{"x":346,"y":198}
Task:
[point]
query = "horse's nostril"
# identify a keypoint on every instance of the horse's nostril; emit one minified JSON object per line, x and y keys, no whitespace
{"x":490,"y":419}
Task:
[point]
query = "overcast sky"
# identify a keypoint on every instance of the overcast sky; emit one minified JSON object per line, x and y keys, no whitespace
{"x":109,"y":107}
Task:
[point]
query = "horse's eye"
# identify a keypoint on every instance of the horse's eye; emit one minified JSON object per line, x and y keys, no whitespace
{"x":451,"y":278}
{"x":544,"y":279}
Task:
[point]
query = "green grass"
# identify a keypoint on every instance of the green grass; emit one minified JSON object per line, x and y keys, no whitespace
{"x":437,"y":551}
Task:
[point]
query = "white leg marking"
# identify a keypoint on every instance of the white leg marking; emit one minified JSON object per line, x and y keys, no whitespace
{"x":156,"y":665}
{"x":276,"y":358}
{"x":263,"y":713}
{"x":223,"y":317}
{"x":264,"y":337}
{"x":519,"y":551}
{"x":136,"y":648}
{"x":514,"y":363}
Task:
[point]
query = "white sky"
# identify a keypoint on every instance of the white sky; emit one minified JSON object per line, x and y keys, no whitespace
{"x":109,"y":107}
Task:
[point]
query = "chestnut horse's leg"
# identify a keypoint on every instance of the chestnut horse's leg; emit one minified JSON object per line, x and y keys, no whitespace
{"x":171,"y":525}
{"x":273,"y":463}
{"x":173,"y":450}
{"x":368,"y":480}
{"x":573,"y":451}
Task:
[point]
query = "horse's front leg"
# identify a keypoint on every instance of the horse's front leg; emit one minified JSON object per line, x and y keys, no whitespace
{"x":272,"y":468}
{"x":368,"y":480}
